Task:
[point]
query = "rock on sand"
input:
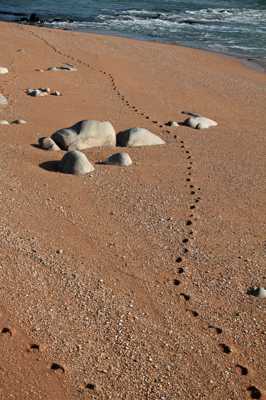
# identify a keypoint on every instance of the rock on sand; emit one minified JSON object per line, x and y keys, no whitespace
{"x":3,"y":70}
{"x":135,"y":137}
{"x":47,"y":143}
{"x":121,"y":159}
{"x":3,"y":100}
{"x":197,"y":121}
{"x":85,"y":134}
{"x":4,"y":122}
{"x":259,"y":292}
{"x":76,"y":163}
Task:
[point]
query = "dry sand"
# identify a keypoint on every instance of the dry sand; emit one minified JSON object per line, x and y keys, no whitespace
{"x":132,"y":280}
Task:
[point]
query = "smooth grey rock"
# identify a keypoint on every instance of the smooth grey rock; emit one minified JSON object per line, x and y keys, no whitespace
{"x":259,"y":292}
{"x":76,"y":163}
{"x":47,"y":143}
{"x":121,"y":159}
{"x":3,"y":100}
{"x":19,"y":122}
{"x":4,"y":122}
{"x":135,"y":137}
{"x":85,"y":134}
{"x":3,"y":70}
{"x":199,"y":122}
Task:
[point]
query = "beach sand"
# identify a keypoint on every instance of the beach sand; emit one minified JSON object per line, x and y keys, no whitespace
{"x":131,"y":282}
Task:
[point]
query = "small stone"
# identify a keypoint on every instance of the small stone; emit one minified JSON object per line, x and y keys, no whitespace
{"x":60,"y":251}
{"x":3,"y":100}
{"x":56,"y":93}
{"x":173,"y":124}
{"x":19,"y":122}
{"x":259,"y":292}
{"x":4,"y":122}
{"x":3,"y":71}
{"x":121,"y":159}
{"x":47,"y":143}
{"x":39,"y":70}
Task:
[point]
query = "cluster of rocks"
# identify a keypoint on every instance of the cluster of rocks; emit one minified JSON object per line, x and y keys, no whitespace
{"x":42,"y":92}
{"x":15,"y":122}
{"x":90,"y":133}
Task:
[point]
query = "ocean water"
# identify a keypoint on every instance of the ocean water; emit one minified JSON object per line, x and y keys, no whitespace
{"x":236,"y":27}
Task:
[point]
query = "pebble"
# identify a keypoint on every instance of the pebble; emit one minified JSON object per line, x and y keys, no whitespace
{"x":4,"y":122}
{"x":3,"y":100}
{"x":259,"y":292}
{"x":3,"y":70}
{"x":173,"y":124}
{"x":56,"y":93}
{"x":19,"y":122}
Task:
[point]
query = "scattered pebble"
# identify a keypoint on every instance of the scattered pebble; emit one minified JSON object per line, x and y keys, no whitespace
{"x":3,"y":100}
{"x":4,"y":122}
{"x":37,"y":92}
{"x":64,"y":67}
{"x":3,"y":70}
{"x":56,"y":93}
{"x":259,"y":292}
{"x":19,"y":122}
{"x":172,"y":124}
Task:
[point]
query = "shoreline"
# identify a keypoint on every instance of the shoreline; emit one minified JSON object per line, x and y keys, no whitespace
{"x":254,"y":63}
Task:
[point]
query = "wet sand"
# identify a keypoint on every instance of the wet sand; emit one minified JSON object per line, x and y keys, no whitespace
{"x":132,"y":281}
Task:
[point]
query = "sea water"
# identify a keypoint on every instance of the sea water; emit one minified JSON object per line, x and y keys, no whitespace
{"x":236,"y":27}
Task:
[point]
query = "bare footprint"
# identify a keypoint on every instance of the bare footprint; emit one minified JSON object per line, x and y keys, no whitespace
{"x":57,"y":368}
{"x":225,"y":348}
{"x":254,"y":392}
{"x":186,"y":296}
{"x":241,"y":370}
{"x":7,"y":332}
{"x":219,"y":331}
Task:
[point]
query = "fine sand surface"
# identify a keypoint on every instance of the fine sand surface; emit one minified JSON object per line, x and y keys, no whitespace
{"x":131,"y":283}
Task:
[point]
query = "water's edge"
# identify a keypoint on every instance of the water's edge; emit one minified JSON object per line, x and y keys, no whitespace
{"x":252,"y":63}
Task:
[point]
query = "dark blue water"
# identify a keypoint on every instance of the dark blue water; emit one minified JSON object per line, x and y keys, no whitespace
{"x":231,"y":26}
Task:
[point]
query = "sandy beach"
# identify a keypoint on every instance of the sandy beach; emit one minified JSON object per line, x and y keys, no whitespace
{"x":131,"y":283}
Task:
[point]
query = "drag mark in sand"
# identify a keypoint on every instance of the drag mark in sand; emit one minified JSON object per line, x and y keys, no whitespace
{"x":253,"y":391}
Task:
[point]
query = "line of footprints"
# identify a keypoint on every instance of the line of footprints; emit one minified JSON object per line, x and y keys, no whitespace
{"x":253,"y":391}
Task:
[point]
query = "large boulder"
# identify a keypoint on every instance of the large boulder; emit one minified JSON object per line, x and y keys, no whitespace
{"x":85,"y":134}
{"x":76,"y":163}
{"x":135,"y":137}
{"x":121,"y":159}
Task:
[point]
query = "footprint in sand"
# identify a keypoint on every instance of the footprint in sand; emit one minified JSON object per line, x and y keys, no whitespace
{"x":57,"y":368}
{"x":254,"y":392}
{"x":7,"y":331}
{"x":225,"y":348}
{"x":241,"y":370}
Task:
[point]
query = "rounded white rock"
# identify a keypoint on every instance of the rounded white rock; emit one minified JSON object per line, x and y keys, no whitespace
{"x":4,"y":122}
{"x":76,"y":163}
{"x":199,"y":122}
{"x":136,"y":137}
{"x":3,"y":70}
{"x":121,"y":159}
